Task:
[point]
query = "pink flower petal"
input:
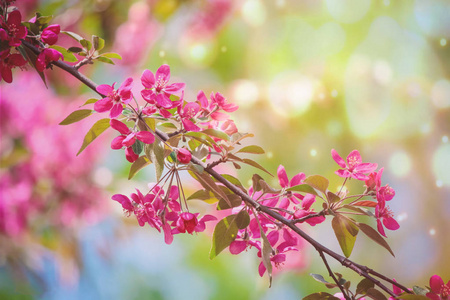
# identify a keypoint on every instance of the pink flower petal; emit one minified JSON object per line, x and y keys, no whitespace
{"x":119,"y":126}
{"x":338,"y":159}
{"x":282,"y":176}
{"x":380,"y":228}
{"x":237,"y":247}
{"x":308,"y":200}
{"x":148,"y":79}
{"x":163,"y":73}
{"x":365,"y":168}
{"x":163,"y":101}
{"x":103,"y":105}
{"x":390,"y":223}
{"x":104,"y":89}
{"x":124,"y":200}
{"x":436,"y":283}
{"x":146,"y":137}
{"x":130,"y":155}
{"x":116,"y":143}
{"x":116,"y":110}
{"x":175,"y":88}
{"x":168,"y":237}
{"x":354,"y":159}
{"x":201,"y":97}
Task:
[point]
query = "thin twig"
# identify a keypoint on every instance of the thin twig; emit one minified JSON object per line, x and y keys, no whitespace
{"x":332,"y":274}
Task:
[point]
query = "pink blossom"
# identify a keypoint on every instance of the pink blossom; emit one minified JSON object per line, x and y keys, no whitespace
{"x":50,"y":34}
{"x":128,"y":138}
{"x":373,"y":183}
{"x":15,"y":31}
{"x":9,"y":62}
{"x":184,"y":156}
{"x":354,"y":168}
{"x":439,"y":290}
{"x":307,"y":201}
{"x":229,"y":127}
{"x":218,"y":102}
{"x":114,"y":100}
{"x":188,"y":112}
{"x":157,"y":88}
{"x":385,"y":217}
{"x":47,"y":56}
{"x":187,"y":222}
{"x":285,"y":183}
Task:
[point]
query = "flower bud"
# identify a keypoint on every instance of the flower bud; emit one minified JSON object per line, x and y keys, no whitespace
{"x":184,"y":156}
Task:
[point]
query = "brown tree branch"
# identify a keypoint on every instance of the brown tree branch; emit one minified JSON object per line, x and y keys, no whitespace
{"x":359,"y":269}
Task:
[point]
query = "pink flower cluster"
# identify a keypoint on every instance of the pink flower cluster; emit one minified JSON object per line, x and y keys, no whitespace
{"x":439,"y":290}
{"x":12,"y":32}
{"x":162,"y":210}
{"x":281,"y":239}
{"x":11,"y":35}
{"x":166,"y":100}
{"x":35,"y":191}
{"x":355,"y":168}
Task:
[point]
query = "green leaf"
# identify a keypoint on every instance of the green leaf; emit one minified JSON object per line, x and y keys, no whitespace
{"x":266,"y":251}
{"x":75,"y":49}
{"x":86,"y":44}
{"x":413,"y":297}
{"x":234,"y":181}
{"x":151,"y":123}
{"x":242,"y":219}
{"x":252,"y":149}
{"x":94,"y":132}
{"x":364,"y":285}
{"x":68,"y":56}
{"x":73,"y":35}
{"x":237,"y":137}
{"x":256,"y":182}
{"x":76,"y":116}
{"x":216,"y":133}
{"x":90,"y":101}
{"x":332,"y":197}
{"x":43,"y":20}
{"x":105,"y":60}
{"x":318,"y":182}
{"x":225,"y":232}
{"x":204,"y":195}
{"x":98,"y":43}
{"x":31,"y":57}
{"x":375,"y":294}
{"x":304,"y":188}
{"x":320,"y":278}
{"x":256,"y":165}
{"x":320,"y":296}
{"x":346,"y":232}
{"x":210,"y":185}
{"x":111,"y":55}
{"x":375,"y":236}
{"x":139,"y":164}
{"x":137,"y":147}
{"x":156,"y":153}
{"x":234,"y":200}
{"x":202,"y":138}
{"x":420,"y":291}
{"x":360,"y":210}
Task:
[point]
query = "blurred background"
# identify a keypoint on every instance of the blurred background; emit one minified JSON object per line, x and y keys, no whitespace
{"x":308,"y":76}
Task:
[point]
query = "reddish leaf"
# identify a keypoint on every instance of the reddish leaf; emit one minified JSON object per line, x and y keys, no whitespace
{"x":366,"y":203}
{"x":375,"y":236}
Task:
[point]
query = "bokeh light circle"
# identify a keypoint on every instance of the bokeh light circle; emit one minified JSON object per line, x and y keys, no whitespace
{"x":348,"y":11}
{"x":441,"y":164}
